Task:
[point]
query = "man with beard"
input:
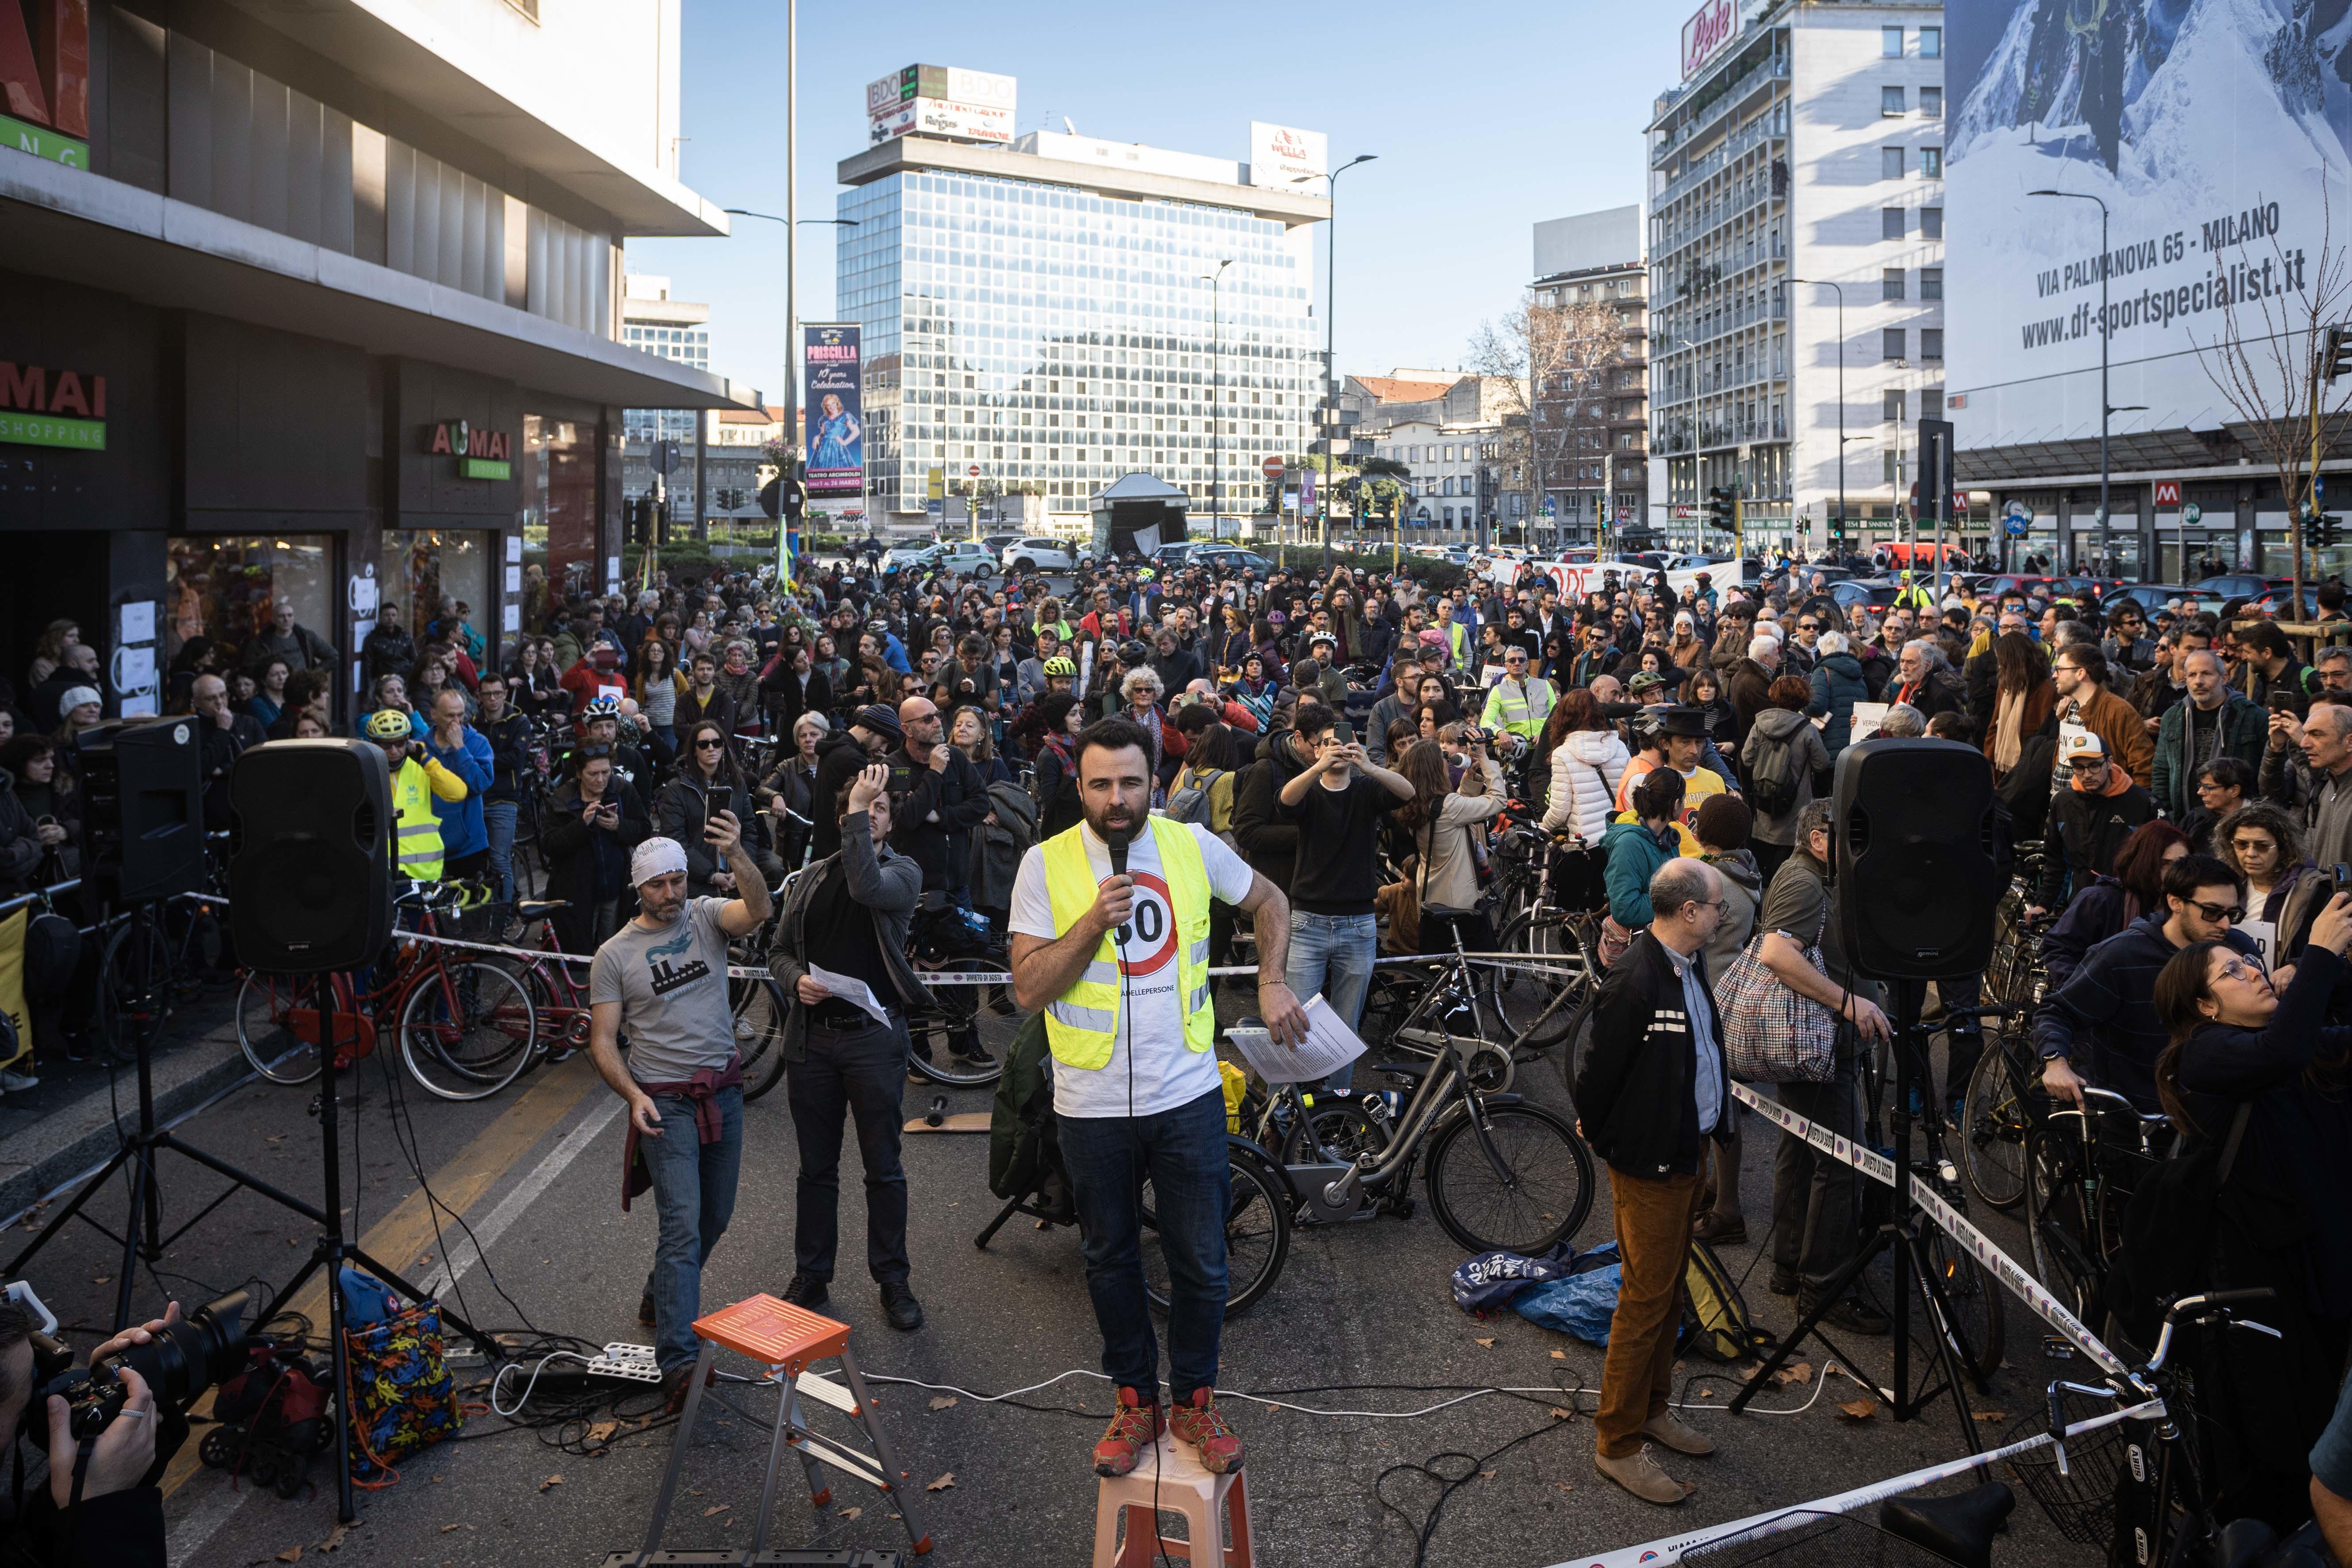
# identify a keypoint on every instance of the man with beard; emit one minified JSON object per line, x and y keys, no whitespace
{"x":1110,"y":944}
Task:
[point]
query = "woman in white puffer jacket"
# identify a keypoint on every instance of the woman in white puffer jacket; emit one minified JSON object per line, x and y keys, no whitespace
{"x":1587,"y":761}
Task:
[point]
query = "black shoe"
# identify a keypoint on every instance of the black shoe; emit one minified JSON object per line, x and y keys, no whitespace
{"x":1782,"y":1284}
{"x":646,"y":1310}
{"x":806,"y":1291}
{"x":899,"y":1305}
{"x":1855,"y":1316}
{"x":975,"y":1052}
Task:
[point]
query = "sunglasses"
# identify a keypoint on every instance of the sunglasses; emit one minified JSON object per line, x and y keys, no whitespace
{"x":2217,"y":912}
{"x":710,"y":745}
{"x":1808,"y":626}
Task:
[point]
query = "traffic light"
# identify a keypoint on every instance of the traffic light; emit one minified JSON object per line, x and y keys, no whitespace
{"x":1719,"y":508}
{"x":2335,"y":355}
{"x":2323,"y":532}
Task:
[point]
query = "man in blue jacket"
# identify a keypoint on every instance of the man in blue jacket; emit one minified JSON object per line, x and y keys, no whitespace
{"x":461,"y":749}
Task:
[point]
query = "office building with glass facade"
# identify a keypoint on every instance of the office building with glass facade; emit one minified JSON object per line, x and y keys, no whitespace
{"x":1045,"y":313}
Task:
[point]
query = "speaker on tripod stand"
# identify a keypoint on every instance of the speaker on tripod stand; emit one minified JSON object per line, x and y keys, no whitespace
{"x":309,"y":873}
{"x":1914,"y":890}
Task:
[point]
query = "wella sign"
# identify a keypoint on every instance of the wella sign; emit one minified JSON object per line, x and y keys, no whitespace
{"x":1707,"y":34}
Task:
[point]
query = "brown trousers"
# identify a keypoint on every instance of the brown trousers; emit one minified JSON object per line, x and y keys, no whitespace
{"x":1654,"y":1228}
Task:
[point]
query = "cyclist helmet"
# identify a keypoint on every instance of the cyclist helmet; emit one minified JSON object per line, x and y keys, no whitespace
{"x":1057,"y":665}
{"x":1146,"y":575}
{"x":606,"y":707}
{"x":388,"y":724}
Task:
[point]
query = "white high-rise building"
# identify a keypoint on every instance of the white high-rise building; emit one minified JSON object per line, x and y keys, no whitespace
{"x":1800,"y":158}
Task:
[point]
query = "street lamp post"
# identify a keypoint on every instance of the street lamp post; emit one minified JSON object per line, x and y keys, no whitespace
{"x":1216,"y":403}
{"x":791,"y":313}
{"x":1825,"y":283}
{"x":2105,"y":409}
{"x":1331,"y":341}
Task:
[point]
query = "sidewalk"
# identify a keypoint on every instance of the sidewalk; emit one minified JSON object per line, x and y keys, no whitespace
{"x":52,"y":1134}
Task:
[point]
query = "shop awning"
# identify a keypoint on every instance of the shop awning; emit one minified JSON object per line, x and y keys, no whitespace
{"x":83,"y":229}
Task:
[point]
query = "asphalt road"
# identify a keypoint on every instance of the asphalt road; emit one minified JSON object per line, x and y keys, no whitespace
{"x":1360,"y":1321}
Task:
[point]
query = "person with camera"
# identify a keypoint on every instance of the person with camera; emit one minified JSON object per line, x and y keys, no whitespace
{"x":709,"y":782}
{"x":593,"y":822}
{"x":465,"y":752}
{"x":418,"y":781}
{"x":105,"y":1510}
{"x":662,"y":978}
{"x":848,"y":917}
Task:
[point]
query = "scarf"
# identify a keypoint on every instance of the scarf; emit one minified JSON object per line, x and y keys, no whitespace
{"x":2009,"y":718}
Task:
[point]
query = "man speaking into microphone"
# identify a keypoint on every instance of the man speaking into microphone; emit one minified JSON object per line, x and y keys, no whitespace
{"x":1110,"y":942}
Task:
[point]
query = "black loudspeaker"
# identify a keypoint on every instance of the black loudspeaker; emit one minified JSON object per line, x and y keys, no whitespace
{"x":1917,"y":882}
{"x":144,"y":816}
{"x":309,"y":872}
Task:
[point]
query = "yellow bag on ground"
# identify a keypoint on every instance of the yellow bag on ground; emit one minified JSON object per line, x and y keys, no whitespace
{"x":1236,"y":1084}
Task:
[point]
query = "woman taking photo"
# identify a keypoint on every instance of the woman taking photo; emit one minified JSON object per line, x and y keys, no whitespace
{"x":530,"y":683}
{"x":1233,"y":646}
{"x":591,"y":823}
{"x":657,"y":692}
{"x":2264,"y":1082}
{"x":709,"y":782}
{"x":1439,"y":821}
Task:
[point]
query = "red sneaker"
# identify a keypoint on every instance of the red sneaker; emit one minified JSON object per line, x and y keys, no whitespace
{"x":1135,"y":1428}
{"x":1199,"y":1422}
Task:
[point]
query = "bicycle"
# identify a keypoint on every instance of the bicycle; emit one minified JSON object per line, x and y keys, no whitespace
{"x":1503,"y":1174}
{"x":1546,"y":1004}
{"x":465,"y":1028}
{"x":2081,"y":1168}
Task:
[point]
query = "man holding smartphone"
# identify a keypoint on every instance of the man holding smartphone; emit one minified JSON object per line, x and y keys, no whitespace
{"x":1337,"y":803}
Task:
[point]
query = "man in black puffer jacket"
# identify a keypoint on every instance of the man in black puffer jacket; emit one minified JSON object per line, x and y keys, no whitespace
{"x":1267,"y":839}
{"x":1654,"y":1086}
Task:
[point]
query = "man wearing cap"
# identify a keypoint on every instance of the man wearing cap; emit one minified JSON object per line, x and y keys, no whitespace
{"x":2090,"y":820}
{"x":874,"y":733}
{"x":1518,"y":703}
{"x":416,"y":779}
{"x":662,"y":977}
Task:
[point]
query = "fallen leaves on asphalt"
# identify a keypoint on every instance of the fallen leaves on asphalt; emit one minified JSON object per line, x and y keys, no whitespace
{"x":335,"y":1537}
{"x":942,"y":1401}
{"x":851,"y":1512}
{"x":1560,"y":1355}
{"x":1991,"y":1414}
{"x":292,"y":1554}
{"x":1857,"y":1409}
{"x":1560,"y":1413}
{"x":550,"y":1482}
{"x":1488,"y":1343}
{"x":600,"y":1432}
{"x":942,"y":1484}
{"x":717,"y":1508}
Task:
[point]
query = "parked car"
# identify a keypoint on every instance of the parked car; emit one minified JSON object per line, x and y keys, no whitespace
{"x":1227,"y":558}
{"x":2240,"y":585}
{"x":2149,"y":596}
{"x":994,"y":544}
{"x":968,"y":556}
{"x":1038,"y":555}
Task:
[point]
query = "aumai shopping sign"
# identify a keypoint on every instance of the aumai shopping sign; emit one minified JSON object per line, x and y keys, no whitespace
{"x":40,"y":406}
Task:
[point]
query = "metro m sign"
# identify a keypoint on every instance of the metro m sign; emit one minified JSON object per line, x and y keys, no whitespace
{"x":1709,"y":31}
{"x":2168,"y":492}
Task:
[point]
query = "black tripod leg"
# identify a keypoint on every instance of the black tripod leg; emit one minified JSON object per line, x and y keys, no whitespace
{"x":1007,"y":1212}
{"x":143,"y":1216}
{"x":283,"y":1199}
{"x":1947,"y":1336}
{"x":104,"y":1173}
{"x":1810,"y":1323}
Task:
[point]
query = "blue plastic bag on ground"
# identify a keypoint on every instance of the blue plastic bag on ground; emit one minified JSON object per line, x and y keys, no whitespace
{"x":1582,"y":1302}
{"x":1489,"y":1282}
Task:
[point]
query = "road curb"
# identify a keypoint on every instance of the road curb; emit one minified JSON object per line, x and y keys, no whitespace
{"x":68,"y":1143}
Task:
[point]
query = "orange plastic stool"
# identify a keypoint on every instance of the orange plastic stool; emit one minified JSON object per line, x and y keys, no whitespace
{"x":786,"y":1340}
{"x":1182,"y":1487}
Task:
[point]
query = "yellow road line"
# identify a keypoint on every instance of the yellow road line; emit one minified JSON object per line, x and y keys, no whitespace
{"x":403,"y":1237}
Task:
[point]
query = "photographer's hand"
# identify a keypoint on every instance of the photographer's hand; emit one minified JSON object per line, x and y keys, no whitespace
{"x":122,"y":1454}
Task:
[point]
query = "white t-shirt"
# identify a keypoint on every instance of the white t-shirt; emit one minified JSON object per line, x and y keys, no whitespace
{"x":1151,"y":1014}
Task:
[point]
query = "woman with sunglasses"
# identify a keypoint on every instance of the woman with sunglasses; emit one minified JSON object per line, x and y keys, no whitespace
{"x":2254,"y":1074}
{"x":708,"y":782}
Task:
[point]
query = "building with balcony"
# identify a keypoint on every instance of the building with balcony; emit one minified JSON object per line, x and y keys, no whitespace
{"x":320,"y":304}
{"x":1053,"y":315}
{"x":668,"y":329}
{"x":1589,"y":425}
{"x":1804,"y":152}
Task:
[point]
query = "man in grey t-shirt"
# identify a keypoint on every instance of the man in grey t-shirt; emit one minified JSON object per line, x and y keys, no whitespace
{"x":662,"y":977}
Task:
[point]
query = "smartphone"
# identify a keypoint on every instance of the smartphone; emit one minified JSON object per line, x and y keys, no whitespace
{"x":2281,"y":701}
{"x":1344,"y":733}
{"x":2342,"y":876}
{"x":722,"y":798}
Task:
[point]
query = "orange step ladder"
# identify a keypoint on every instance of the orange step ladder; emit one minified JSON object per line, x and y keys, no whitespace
{"x":786,"y":1340}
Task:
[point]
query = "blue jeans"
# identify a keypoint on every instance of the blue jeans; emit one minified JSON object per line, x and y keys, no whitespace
{"x":498,"y":822}
{"x":1333,"y":954}
{"x":694,"y":1195}
{"x":1182,"y":1151}
{"x":860,"y":1075}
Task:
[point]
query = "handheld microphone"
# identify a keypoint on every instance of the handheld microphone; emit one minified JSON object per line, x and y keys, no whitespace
{"x":1119,"y":868}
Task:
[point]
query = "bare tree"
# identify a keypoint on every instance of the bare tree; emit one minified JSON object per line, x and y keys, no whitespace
{"x":1556,"y":362}
{"x":2270,"y":366}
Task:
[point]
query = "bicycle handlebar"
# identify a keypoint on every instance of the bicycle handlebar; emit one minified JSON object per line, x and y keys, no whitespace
{"x":2211,"y":1302}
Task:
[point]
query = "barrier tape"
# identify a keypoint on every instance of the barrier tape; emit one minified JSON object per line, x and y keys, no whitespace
{"x":1778,"y":1521}
{"x":2005,"y":1268}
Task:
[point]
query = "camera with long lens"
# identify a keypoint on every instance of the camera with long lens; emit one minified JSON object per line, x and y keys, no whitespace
{"x":179,"y":1363}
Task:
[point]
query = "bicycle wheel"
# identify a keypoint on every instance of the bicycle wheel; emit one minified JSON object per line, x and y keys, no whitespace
{"x":2058,"y":1218}
{"x":466,"y":1030}
{"x":1979,"y":1313}
{"x":1545,"y":1003}
{"x":1340,"y":1125}
{"x":759,"y":1011}
{"x":1542,"y":1193}
{"x":963,"y":1038}
{"x":265,"y":1007}
{"x":1993,"y":1126}
{"x":1257,"y":1236}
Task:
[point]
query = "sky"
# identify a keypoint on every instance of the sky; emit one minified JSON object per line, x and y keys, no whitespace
{"x":1520,"y":114}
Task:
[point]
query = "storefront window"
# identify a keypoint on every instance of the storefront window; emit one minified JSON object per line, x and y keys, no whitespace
{"x":558,"y":506}
{"x":424,"y":566}
{"x":227,"y":587}
{"x":2273,"y":547}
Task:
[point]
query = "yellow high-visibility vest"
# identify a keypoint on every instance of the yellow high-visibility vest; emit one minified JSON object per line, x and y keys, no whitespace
{"x":1082,"y":1024}
{"x":416,"y":832}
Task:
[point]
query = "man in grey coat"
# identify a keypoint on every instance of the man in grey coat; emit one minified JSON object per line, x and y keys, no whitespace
{"x":846,"y":917}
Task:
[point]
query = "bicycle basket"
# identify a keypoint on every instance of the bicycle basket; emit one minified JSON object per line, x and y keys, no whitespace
{"x":1823,"y":1540}
{"x":2082,"y":1501}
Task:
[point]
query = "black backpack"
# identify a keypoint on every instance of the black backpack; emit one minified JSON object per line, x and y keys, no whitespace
{"x":1772,"y":782}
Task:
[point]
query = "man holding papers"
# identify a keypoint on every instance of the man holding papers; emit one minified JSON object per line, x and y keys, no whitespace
{"x":841,"y":956}
{"x":1111,"y":943}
